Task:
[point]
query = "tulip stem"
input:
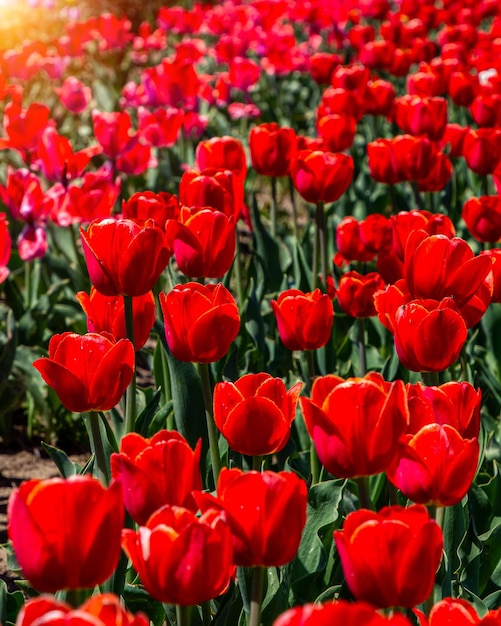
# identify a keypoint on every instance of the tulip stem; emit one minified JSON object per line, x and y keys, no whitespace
{"x":274,"y":207}
{"x":183,"y":615}
{"x":238,"y":272}
{"x":97,"y":445}
{"x":130,"y":398}
{"x":364,"y":498}
{"x":206,"y":616}
{"x":203,"y":370}
{"x":322,"y":239}
{"x":310,"y":358}
{"x":294,"y":208}
{"x":362,"y":355}
{"x":431,"y":379}
{"x":256,"y":600}
{"x":257,"y":462}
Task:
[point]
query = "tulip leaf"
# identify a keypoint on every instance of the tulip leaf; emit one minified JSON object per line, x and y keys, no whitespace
{"x":137,"y":599}
{"x":63,"y":463}
{"x":275,"y":600}
{"x":146,"y":416}
{"x":10,"y":604}
{"x":453,"y":530}
{"x":230,"y":608}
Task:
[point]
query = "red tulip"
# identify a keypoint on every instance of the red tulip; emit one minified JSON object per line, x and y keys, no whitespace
{"x":421,"y":116}
{"x":304,"y":320}
{"x":146,"y":205}
{"x":203,"y":241}
{"x":74,"y":95}
{"x":5,"y":247}
{"x":201,"y":321}
{"x":216,"y":188}
{"x":339,"y":612}
{"x":460,"y":613}
{"x":66,"y":533}
{"x":321,"y":176}
{"x":482,"y":150}
{"x":366,"y":443}
{"x":124,"y":258}
{"x":337,"y":131}
{"x":266,"y":513}
{"x":435,"y":466}
{"x":272,"y":148}
{"x":355,"y":293}
{"x":180,"y":558}
{"x":483,"y":218}
{"x":145,"y":468}
{"x":88,"y":372}
{"x":495,"y":255}
{"x":255,"y":413}
{"x":225,"y":153}
{"x":100,"y":610}
{"x":379,"y":97}
{"x":381,"y":553}
{"x":106,"y":314}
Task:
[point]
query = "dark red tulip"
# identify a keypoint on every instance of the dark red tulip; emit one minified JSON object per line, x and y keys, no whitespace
{"x":272,"y":148}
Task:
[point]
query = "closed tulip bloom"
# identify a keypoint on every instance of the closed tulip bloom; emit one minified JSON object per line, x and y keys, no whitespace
{"x":266,"y":513}
{"x":180,"y":558}
{"x":482,"y":149}
{"x":429,"y":334}
{"x":216,"y":188}
{"x":225,"y":153}
{"x":101,"y":610}
{"x":66,"y":533}
{"x":255,"y":413}
{"x":382,"y":552}
{"x":304,"y":320}
{"x":355,"y":293}
{"x":157,"y":471}
{"x":124,"y":258}
{"x":272,"y":148}
{"x":203,"y":242}
{"x":201,"y":321}
{"x":88,"y":372}
{"x":421,"y":116}
{"x":366,"y":443}
{"x":339,"y":612}
{"x":74,"y":95}
{"x":106,"y":314}
{"x":337,"y":131}
{"x":147,"y":205}
{"x":482,"y":217}
{"x":321,"y":176}
{"x":435,"y":466}
{"x":460,"y":613}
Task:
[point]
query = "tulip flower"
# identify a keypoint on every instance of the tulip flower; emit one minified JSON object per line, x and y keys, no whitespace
{"x":147,"y":205}
{"x":482,"y":149}
{"x":304,"y":320}
{"x":255,"y":413}
{"x":381,"y":552}
{"x":182,"y":559}
{"x":339,"y":612}
{"x":482,"y":217}
{"x":355,"y":293}
{"x":225,"y":153}
{"x":203,"y":241}
{"x":106,"y":314}
{"x":216,"y":188}
{"x":201,"y":321}
{"x":366,"y":443}
{"x":435,"y":466}
{"x":272,"y":148}
{"x":88,"y":372}
{"x":321,"y":176}
{"x":337,"y":131}
{"x":43,"y":518}
{"x":416,"y":115}
{"x":266,"y":513}
{"x":100,"y":610}
{"x":461,"y":613}
{"x":124,"y":258}
{"x":157,"y":471}
{"x":74,"y":95}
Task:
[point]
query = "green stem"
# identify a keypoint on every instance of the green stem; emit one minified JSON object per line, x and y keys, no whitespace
{"x":322,"y":239}
{"x":97,"y":446}
{"x":310,"y":358}
{"x":28,"y":266}
{"x":294,"y":208}
{"x":314,"y":464}
{"x":364,"y":498}
{"x":431,"y":379}
{"x":362,"y":355}
{"x":256,"y":599}
{"x":392,"y":494}
{"x":274,"y":207}
{"x":203,"y":370}
{"x":130,"y":405}
{"x":257,"y":462}
{"x":206,"y":615}
{"x":75,"y":597}
{"x":238,"y":272}
{"x":183,"y":615}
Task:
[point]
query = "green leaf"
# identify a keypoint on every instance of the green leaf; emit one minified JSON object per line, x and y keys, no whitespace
{"x":10,"y":604}
{"x":63,"y":463}
{"x":138,"y":599}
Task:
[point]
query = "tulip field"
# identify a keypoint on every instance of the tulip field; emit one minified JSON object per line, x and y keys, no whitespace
{"x":250,"y":257}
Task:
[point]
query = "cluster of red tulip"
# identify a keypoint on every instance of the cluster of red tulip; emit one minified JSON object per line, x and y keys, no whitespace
{"x":325,"y":471}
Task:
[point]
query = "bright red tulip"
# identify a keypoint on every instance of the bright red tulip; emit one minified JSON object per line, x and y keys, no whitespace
{"x":304,"y":320}
{"x":100,"y":610}
{"x":381,"y":553}
{"x":88,"y":372}
{"x":106,"y":314}
{"x":355,"y":293}
{"x":366,"y":443}
{"x":147,"y":205}
{"x":482,"y":150}
{"x":180,"y":558}
{"x":124,"y":258}
{"x":255,"y":413}
{"x":259,"y":508}
{"x":339,"y":612}
{"x":66,"y":533}
{"x":146,"y":468}
{"x":201,"y":321}
{"x":460,"y":613}
{"x":219,"y":189}
{"x":203,"y":241}
{"x":421,"y":116}
{"x":337,"y":131}
{"x":379,"y":97}
{"x":483,"y":218}
{"x":272,"y":148}
{"x":435,"y":466}
{"x":321,"y":176}
{"x":495,"y":253}
{"x":226,"y":153}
